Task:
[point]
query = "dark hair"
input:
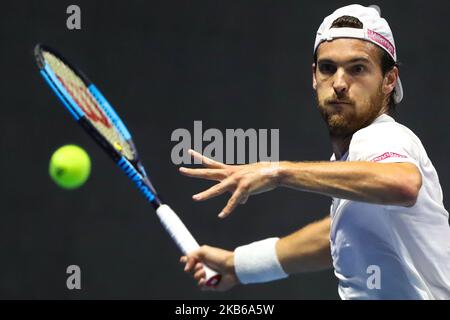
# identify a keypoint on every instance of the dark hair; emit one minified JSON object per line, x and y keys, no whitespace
{"x":387,"y":63}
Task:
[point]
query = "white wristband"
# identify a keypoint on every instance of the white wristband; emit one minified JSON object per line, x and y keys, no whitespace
{"x":258,"y":262}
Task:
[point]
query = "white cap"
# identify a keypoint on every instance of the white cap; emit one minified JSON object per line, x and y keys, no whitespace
{"x":375,"y":29}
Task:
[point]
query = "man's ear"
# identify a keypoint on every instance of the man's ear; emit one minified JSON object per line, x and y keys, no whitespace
{"x":390,"y":80}
{"x":314,"y":82}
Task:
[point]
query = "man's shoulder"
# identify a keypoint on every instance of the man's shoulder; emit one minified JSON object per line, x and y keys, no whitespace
{"x":386,"y":135}
{"x":386,"y":128}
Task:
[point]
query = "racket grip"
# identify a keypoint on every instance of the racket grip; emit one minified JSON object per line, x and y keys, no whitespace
{"x":184,"y":239}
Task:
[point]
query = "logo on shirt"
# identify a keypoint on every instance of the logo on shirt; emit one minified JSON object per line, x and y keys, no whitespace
{"x":387,"y":155}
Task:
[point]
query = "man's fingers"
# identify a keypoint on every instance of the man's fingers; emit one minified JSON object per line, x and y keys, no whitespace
{"x":207,"y":162}
{"x":209,"y":174}
{"x":201,"y":284}
{"x":234,"y":201}
{"x":214,"y":191}
{"x":200,"y":274}
{"x":189,"y":264}
{"x":198,"y":266}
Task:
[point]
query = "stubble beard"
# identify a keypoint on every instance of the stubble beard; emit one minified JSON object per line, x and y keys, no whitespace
{"x":344,"y":122}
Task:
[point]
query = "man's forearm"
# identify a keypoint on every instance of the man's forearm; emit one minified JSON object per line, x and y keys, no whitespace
{"x":383,"y":183}
{"x":307,"y":249}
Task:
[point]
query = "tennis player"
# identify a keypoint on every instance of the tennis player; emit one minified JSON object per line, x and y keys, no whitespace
{"x":387,"y":235}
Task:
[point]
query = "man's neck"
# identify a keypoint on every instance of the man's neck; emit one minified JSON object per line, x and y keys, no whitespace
{"x":340,"y":145}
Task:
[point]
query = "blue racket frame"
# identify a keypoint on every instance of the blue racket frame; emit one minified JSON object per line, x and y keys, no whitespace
{"x":133,"y":169}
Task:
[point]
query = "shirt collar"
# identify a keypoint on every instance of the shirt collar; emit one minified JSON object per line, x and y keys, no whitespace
{"x":383,"y":118}
{"x":380,"y":119}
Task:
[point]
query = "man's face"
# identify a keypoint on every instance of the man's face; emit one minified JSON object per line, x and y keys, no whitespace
{"x":351,"y":90}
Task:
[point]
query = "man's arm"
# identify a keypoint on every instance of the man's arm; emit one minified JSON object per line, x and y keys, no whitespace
{"x":307,"y":249}
{"x":382,"y":183}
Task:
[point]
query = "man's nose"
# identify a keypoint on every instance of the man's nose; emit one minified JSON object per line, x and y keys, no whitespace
{"x":340,"y":83}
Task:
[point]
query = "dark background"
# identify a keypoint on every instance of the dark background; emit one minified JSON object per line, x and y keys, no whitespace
{"x":164,"y":64}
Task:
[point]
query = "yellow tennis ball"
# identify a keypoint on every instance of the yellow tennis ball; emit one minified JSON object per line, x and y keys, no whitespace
{"x":70,"y":167}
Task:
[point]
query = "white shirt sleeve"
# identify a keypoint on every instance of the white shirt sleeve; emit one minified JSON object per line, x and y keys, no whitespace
{"x":384,"y":143}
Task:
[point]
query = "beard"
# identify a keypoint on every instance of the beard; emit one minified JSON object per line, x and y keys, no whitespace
{"x":344,"y":120}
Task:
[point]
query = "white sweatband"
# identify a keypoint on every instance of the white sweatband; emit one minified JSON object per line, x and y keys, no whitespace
{"x":258,"y":262}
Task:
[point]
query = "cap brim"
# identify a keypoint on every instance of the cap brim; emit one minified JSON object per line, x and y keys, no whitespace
{"x":398,"y":94}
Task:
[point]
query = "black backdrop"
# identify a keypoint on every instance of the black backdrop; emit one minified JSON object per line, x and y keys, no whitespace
{"x":164,"y":64}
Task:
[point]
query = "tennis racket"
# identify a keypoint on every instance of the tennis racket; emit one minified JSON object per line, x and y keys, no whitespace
{"x":93,"y":112}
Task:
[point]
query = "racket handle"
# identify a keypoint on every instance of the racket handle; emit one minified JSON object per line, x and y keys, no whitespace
{"x":184,"y":239}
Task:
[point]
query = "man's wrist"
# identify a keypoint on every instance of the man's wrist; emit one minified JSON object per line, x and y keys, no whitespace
{"x":274,"y":171}
{"x":258,"y":262}
{"x":230,"y":266}
{"x":282,"y":173}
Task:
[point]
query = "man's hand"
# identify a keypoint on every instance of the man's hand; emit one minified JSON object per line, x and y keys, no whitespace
{"x":220,"y":260}
{"x":241,"y":180}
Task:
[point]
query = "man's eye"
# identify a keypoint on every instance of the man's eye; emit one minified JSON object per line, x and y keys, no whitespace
{"x":327,"y":68}
{"x":358,"y":69}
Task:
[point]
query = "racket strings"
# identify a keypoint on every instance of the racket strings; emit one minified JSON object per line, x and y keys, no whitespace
{"x":93,"y":110}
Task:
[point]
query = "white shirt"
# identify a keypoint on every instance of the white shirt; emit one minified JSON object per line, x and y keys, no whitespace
{"x":386,"y":251}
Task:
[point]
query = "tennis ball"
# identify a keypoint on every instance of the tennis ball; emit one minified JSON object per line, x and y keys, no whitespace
{"x":70,"y":166}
